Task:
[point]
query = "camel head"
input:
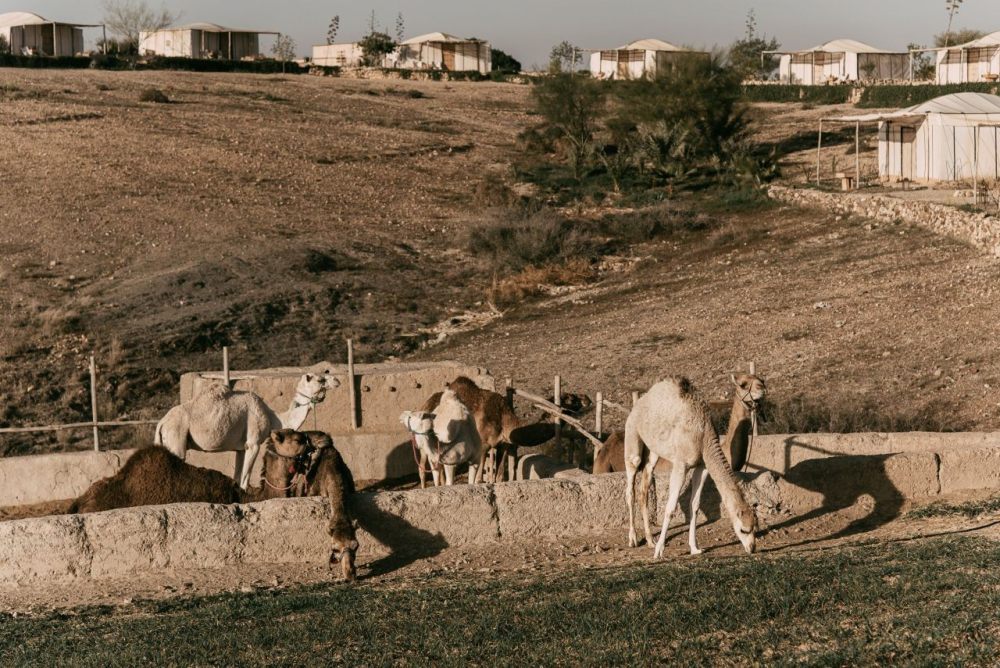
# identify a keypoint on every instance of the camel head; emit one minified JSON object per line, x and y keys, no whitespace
{"x":312,"y":387}
{"x":419,"y":423}
{"x":751,"y":390}
{"x":290,"y":444}
{"x":745,"y":526}
{"x":345,"y":548}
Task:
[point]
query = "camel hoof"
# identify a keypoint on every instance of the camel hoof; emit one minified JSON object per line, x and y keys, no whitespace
{"x":695,"y":551}
{"x":632,"y":540}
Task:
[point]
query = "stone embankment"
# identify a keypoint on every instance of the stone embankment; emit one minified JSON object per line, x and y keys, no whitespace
{"x":979,"y":229}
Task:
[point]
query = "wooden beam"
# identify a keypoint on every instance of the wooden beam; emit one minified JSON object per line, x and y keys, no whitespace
{"x":351,"y":391}
{"x":75,"y":425}
{"x":554,"y":410}
{"x":93,"y":403}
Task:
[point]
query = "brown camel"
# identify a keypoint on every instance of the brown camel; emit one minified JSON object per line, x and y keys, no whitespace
{"x":155,"y":476}
{"x":747,"y":400}
{"x":300,"y":464}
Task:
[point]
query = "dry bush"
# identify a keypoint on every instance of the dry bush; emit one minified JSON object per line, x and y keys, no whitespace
{"x":516,"y":242}
{"x":531,"y":282}
{"x":154,"y":95}
{"x":60,"y":320}
{"x":804,"y":415}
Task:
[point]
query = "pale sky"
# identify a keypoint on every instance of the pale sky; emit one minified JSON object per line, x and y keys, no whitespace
{"x":527,"y":29}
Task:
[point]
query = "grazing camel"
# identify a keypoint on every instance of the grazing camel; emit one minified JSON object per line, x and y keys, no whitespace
{"x":298,"y":464}
{"x":221,"y":419}
{"x":674,"y":424}
{"x":748,"y":405}
{"x":155,"y":476}
{"x":420,"y":424}
{"x":498,"y":425}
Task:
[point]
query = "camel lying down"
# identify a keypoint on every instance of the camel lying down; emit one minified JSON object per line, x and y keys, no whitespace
{"x":296,"y":464}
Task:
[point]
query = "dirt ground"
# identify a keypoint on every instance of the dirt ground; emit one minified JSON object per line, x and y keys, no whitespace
{"x":782,"y":534}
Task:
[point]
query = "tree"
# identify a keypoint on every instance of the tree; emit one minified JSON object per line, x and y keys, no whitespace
{"x":564,"y":56}
{"x":331,"y":32}
{"x":283,"y":50}
{"x":375,"y":46}
{"x":923,"y":66}
{"x":128,"y":18}
{"x":503,"y":62}
{"x":950,"y":6}
{"x":4,"y":44}
{"x":953,"y":37}
{"x":746,"y":55}
{"x":400,"y":28}
{"x":571,"y":107}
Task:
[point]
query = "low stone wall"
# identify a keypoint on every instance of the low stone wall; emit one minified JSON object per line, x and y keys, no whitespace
{"x":155,"y":539}
{"x":979,"y":229}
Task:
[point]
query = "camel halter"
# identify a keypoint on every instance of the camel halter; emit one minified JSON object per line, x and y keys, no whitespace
{"x":300,"y":467}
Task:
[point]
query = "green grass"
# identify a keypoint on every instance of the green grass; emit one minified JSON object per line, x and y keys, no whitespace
{"x":929,"y":602}
{"x":968,"y":509}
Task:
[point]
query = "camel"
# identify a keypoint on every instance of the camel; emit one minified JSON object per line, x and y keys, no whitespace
{"x":498,"y":425}
{"x":155,"y":476}
{"x":748,"y":404}
{"x":298,"y":464}
{"x":674,"y":424}
{"x":420,"y":424}
{"x":220,"y":419}
{"x":457,"y":437}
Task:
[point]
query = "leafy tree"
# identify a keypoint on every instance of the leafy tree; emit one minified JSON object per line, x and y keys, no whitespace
{"x":331,"y":32}
{"x":745,"y":55}
{"x":503,"y":62}
{"x":375,"y":46}
{"x":4,"y":44}
{"x":571,"y":107}
{"x":127,"y":18}
{"x":283,"y":49}
{"x":953,"y":37}
{"x":923,"y":65}
{"x":563,"y":57}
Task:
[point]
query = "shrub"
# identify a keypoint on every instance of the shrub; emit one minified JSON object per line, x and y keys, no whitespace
{"x":154,"y":95}
{"x":790,"y":93}
{"x":906,"y":96}
{"x":571,"y":107}
{"x":514,"y":243}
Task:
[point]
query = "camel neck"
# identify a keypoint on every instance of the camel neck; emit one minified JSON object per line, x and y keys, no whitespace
{"x":722,"y":474}
{"x":296,"y":414}
{"x":738,"y":434}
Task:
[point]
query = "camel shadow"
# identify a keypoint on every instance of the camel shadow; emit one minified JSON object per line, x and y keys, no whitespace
{"x":843,"y":480}
{"x":406,"y":543}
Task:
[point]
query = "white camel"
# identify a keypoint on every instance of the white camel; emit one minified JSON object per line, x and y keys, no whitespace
{"x":420,"y":424}
{"x":674,"y":424}
{"x":457,"y":436}
{"x":220,"y":419}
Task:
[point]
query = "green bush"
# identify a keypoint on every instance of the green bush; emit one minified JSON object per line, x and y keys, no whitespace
{"x":62,"y":62}
{"x":878,"y":97}
{"x":514,"y":242}
{"x":789,"y":93}
{"x":470,"y":75}
{"x":206,"y":65}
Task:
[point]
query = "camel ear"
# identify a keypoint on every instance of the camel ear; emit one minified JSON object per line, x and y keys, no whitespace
{"x":277,"y":436}
{"x":732,"y":377}
{"x":309,"y":377}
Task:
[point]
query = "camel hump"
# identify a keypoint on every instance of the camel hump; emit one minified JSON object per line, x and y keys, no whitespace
{"x":215,"y":390}
{"x":463,"y":382}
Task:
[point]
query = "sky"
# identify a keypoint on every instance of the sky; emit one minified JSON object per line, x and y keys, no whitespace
{"x":527,"y":29}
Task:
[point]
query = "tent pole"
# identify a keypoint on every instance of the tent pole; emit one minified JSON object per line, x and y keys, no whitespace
{"x":819,"y":147}
{"x":104,"y":30}
{"x":975,"y":167}
{"x":857,"y":155}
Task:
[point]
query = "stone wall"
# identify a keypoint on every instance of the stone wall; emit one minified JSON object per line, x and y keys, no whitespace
{"x":979,"y":229}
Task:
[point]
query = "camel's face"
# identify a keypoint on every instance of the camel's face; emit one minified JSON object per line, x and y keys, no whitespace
{"x":750,"y":389}
{"x":418,"y":422}
{"x":575,"y":404}
{"x":313,"y":386}
{"x":290,"y":443}
{"x":343,"y":553}
{"x":745,"y":525}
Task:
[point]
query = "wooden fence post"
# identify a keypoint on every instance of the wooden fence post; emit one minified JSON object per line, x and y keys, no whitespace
{"x":635,"y":398}
{"x":93,"y":402}
{"x":352,"y":393}
{"x":225,"y":366}
{"x":557,"y":400}
{"x":599,"y":416}
{"x":512,"y":459}
{"x":753,"y":372}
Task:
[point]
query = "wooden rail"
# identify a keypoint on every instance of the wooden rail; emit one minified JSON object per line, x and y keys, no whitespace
{"x":554,"y":410}
{"x":75,"y":425}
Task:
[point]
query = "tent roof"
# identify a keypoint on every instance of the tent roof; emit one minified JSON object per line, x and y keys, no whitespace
{"x":841,"y":46}
{"x":438,"y":37}
{"x":651,"y":45}
{"x":979,"y":104}
{"x":993,"y":39}
{"x":28,"y":19}
{"x":215,"y":27}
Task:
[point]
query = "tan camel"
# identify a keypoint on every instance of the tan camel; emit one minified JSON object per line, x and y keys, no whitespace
{"x":674,"y":424}
{"x":220,"y":419}
{"x":457,"y":437}
{"x":298,"y":464}
{"x":420,"y":424}
{"x":748,"y":404}
{"x":498,"y":426}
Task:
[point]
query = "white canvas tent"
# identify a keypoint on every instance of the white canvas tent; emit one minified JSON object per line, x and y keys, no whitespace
{"x":202,"y":40}
{"x":975,"y":61}
{"x":346,"y":54}
{"x":842,"y":60}
{"x":26,"y":32}
{"x":642,"y":58}
{"x":950,"y":138}
{"x":442,"y":51}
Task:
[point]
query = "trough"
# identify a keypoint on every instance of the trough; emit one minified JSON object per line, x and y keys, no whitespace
{"x":423,"y":522}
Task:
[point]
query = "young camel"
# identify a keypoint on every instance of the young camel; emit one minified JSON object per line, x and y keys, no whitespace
{"x":457,"y":438}
{"x":748,"y":405}
{"x":420,"y":424}
{"x":221,"y":419}
{"x":674,"y":424}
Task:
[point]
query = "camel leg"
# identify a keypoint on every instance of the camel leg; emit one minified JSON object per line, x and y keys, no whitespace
{"x":449,"y":475}
{"x":697,"y":484}
{"x":501,"y":462}
{"x":251,"y":457}
{"x":481,"y":467}
{"x":644,"y":485}
{"x":422,"y":471}
{"x":677,"y":474}
{"x":238,"y":467}
{"x":633,"y":460}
